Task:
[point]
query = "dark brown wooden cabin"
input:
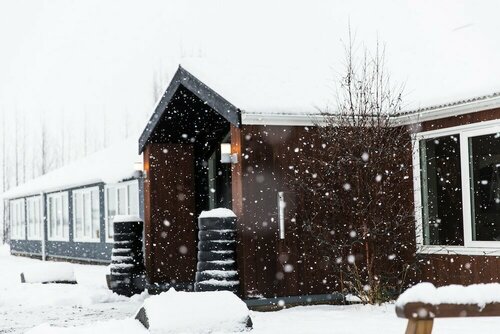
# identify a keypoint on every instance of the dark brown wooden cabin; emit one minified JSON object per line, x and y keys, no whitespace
{"x":184,"y":177}
{"x":180,"y":146}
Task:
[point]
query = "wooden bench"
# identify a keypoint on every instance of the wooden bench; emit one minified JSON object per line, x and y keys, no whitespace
{"x":421,"y":316}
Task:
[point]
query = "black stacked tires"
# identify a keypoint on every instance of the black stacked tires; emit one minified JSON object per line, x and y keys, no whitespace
{"x":127,"y":260}
{"x":216,"y":269}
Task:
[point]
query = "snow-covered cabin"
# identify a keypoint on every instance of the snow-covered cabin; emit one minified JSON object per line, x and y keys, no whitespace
{"x":68,"y":213}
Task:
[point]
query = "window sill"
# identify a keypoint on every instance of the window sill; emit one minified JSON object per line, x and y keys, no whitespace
{"x":94,"y":241}
{"x":58,"y":239}
{"x":458,"y":250}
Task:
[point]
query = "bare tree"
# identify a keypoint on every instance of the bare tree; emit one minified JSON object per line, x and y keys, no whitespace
{"x":44,"y":149}
{"x":357,"y":202}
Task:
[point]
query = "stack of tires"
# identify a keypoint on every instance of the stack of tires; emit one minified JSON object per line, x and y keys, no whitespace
{"x":216,"y":269}
{"x":127,"y":260}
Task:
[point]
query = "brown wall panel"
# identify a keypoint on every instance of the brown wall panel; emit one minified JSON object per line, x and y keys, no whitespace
{"x":459,"y":269}
{"x":448,"y":122}
{"x":267,"y":153}
{"x":170,"y":213}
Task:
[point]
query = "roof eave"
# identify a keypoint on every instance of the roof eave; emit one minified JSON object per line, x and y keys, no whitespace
{"x":201,"y":90}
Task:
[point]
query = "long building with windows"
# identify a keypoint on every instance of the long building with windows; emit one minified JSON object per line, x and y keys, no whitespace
{"x":68,"y":213}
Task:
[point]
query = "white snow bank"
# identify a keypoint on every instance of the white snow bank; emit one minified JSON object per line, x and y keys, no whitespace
{"x":49,"y":272}
{"x":127,"y":326}
{"x":4,"y":250}
{"x":55,"y":295}
{"x":126,"y":218}
{"x":217,"y":213}
{"x":196,"y":312}
{"x":479,"y":294}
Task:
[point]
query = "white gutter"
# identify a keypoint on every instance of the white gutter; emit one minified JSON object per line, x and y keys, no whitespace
{"x":411,"y":118}
{"x":280,"y":119}
{"x":449,"y":111}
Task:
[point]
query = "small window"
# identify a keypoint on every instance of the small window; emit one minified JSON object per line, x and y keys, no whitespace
{"x":18,"y":219}
{"x":111,"y":209}
{"x":133,"y":199}
{"x":86,"y":214}
{"x":34,"y":211}
{"x":484,"y":158}
{"x":441,"y":191}
{"x":57,"y":216}
{"x":121,"y":199}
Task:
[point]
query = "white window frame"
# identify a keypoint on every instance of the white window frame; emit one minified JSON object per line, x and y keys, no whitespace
{"x":59,"y":196}
{"x":116,"y":187}
{"x":92,"y":238}
{"x":465,"y":132}
{"x":18,"y":227}
{"x":35,"y":201}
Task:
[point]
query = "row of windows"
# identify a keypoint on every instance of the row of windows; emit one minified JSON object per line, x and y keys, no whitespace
{"x":121,"y":199}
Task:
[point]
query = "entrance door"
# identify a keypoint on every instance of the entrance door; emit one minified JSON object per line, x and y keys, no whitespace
{"x":219,"y":182}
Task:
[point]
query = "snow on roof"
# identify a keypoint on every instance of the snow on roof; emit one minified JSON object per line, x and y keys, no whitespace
{"x":290,"y":63}
{"x":111,"y":165}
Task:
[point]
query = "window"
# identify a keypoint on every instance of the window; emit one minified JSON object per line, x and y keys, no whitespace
{"x":57,"y":216}
{"x":441,"y":190}
{"x":17,"y":219}
{"x":121,"y":199}
{"x":86,"y":214}
{"x":458,"y":188}
{"x":484,"y":163}
{"x":34,"y":217}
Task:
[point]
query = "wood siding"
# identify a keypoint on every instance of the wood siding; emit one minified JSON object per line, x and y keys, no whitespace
{"x":170,"y":219}
{"x":465,"y":119}
{"x":459,"y":269}
{"x":262,"y":255}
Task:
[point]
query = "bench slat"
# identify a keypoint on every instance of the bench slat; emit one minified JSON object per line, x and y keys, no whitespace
{"x":422,"y":311}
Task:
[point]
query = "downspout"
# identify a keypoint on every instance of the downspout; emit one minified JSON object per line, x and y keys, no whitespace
{"x":44,"y":224}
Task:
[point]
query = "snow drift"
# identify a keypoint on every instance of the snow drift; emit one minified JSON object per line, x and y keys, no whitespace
{"x":194,"y":312}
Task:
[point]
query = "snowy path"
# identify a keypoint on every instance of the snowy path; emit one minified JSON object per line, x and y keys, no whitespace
{"x":89,"y":307}
{"x":23,"y":306}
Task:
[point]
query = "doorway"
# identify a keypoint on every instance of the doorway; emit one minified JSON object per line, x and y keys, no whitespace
{"x":219,"y":179}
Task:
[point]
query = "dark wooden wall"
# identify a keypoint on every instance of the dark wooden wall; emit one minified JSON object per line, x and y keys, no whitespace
{"x":458,"y":269}
{"x":464,"y":119}
{"x":266,"y":154}
{"x":170,"y":219}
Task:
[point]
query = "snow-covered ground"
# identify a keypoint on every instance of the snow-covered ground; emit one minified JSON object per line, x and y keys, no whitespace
{"x":89,"y":307}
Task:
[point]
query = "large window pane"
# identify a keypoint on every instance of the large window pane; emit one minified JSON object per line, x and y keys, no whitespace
{"x":78,"y":215}
{"x":441,"y":191}
{"x":485,"y":187}
{"x":95,"y":214}
{"x":87,"y":215}
{"x":122,"y":198}
{"x":133,"y":199}
{"x":111,"y":207}
{"x":53,"y":215}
